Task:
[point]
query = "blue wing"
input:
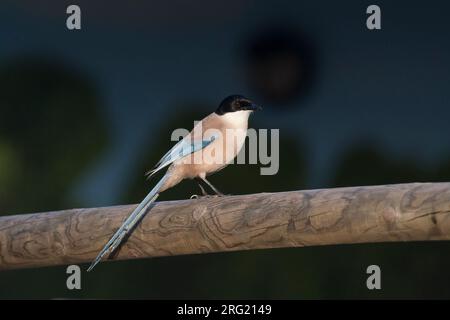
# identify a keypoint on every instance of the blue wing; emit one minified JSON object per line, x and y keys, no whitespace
{"x":183,"y":148}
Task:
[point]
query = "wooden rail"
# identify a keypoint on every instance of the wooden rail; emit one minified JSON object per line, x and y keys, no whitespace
{"x":404,"y":212}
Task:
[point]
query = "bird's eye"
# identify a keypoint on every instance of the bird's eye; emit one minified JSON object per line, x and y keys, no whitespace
{"x":245,"y":103}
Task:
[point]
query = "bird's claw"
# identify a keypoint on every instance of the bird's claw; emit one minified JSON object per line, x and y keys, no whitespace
{"x":195,"y":196}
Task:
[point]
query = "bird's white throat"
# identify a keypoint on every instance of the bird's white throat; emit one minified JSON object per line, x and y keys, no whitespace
{"x":237,"y":119}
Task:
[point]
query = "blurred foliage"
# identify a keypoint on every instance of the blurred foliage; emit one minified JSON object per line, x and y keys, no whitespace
{"x":367,"y":164}
{"x":51,"y":130}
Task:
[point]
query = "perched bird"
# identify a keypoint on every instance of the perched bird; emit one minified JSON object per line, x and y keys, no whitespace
{"x":213,"y":143}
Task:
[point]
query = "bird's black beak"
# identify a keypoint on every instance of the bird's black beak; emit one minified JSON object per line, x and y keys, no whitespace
{"x":254,"y":107}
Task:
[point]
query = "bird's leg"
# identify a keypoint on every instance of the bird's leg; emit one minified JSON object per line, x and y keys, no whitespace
{"x":204,"y":193}
{"x":220,"y":194}
{"x":199,"y":182}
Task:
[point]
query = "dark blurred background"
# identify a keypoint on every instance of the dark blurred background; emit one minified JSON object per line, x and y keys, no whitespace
{"x":80,"y":111}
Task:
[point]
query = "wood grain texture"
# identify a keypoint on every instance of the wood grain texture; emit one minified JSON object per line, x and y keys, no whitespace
{"x":404,"y":212}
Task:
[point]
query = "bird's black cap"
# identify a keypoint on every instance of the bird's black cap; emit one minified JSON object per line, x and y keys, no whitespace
{"x":236,"y":102}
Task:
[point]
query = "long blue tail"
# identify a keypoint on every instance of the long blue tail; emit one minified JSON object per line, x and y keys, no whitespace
{"x":129,"y":223}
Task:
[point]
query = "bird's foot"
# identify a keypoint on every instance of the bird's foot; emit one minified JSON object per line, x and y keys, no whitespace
{"x":196,"y":196}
